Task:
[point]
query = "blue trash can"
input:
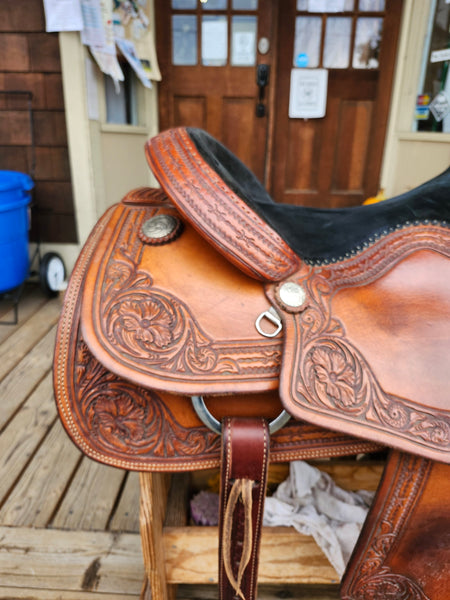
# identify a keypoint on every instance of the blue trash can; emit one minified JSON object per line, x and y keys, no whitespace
{"x":15,"y":197}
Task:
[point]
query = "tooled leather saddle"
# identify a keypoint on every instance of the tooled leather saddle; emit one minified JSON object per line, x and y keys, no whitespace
{"x":296,"y":333}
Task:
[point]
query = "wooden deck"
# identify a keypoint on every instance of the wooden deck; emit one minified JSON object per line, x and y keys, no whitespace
{"x":59,"y":537}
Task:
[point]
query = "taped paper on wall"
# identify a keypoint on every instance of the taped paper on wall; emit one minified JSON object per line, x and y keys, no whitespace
{"x":63,"y":15}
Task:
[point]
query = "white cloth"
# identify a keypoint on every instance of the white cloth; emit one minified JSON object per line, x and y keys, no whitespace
{"x":310,"y":501}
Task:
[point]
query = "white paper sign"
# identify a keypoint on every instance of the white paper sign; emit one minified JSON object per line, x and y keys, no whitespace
{"x":440,"y":106}
{"x":243,"y":48}
{"x":63,"y":15}
{"x":129,"y":51}
{"x":308,"y":93}
{"x":91,"y":90}
{"x":440,"y":55}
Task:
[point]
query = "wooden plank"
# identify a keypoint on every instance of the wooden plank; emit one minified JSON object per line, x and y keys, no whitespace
{"x":22,"y":380}
{"x":265,"y":592}
{"x":126,"y":515}
{"x":177,"y":511}
{"x":354,"y":475}
{"x":286,"y":557}
{"x":154,"y":493}
{"x":90,"y":498}
{"x":184,"y":592}
{"x":22,"y":341}
{"x":25,"y":432}
{"x":34,"y":499}
{"x":31,"y":300}
{"x":76,"y":561}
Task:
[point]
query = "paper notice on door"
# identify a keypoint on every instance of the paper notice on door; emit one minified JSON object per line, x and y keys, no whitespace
{"x":243,"y":48}
{"x":308,"y":93}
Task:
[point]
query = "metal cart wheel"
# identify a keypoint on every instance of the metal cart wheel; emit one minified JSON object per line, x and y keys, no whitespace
{"x":52,"y":273}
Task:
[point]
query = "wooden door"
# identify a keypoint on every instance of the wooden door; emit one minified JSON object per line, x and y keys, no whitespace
{"x":334,"y":161}
{"x":208,"y":54}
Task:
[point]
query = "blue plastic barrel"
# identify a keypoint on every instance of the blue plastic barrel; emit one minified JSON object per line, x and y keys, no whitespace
{"x":15,"y":197}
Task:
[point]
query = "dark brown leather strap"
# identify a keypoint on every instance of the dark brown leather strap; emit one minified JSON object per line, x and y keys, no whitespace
{"x":245,"y":458}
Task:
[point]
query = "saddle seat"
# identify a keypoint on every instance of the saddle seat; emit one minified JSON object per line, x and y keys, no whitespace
{"x":319,"y":236}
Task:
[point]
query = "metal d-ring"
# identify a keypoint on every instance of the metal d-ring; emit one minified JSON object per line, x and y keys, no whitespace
{"x":212,"y":423}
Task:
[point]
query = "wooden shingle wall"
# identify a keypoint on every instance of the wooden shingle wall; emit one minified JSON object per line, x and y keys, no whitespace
{"x":30,"y":61}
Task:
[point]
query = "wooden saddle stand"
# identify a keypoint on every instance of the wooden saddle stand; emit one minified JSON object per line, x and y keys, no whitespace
{"x":206,"y":325}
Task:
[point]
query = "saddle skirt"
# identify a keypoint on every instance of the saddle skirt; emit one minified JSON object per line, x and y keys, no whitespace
{"x":351,"y":309}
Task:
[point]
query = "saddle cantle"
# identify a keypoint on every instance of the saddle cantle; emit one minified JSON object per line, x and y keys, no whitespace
{"x":208,"y":288}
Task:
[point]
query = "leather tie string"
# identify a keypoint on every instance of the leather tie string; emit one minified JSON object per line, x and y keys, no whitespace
{"x":245,"y":451}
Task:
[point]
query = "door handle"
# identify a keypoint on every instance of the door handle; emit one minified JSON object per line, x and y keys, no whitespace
{"x":262,"y":79}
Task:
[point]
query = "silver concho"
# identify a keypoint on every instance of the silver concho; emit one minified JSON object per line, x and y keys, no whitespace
{"x":160,"y":229}
{"x":292,"y":294}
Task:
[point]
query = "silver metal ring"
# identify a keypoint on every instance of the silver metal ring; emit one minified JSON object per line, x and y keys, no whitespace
{"x":212,"y":423}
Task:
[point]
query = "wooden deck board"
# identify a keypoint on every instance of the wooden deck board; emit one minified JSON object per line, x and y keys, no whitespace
{"x":29,"y":304}
{"x":89,"y":502}
{"x":126,"y":515}
{"x":36,"y":496}
{"x":17,"y":386}
{"x":17,"y":345}
{"x":25,"y":433}
{"x":109,"y":563}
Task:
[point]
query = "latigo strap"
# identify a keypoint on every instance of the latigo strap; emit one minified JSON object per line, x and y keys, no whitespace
{"x":245,"y":458}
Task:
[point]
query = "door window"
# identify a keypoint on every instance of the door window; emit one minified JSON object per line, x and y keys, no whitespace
{"x":214,"y":41}
{"x":184,"y":40}
{"x":338,"y":34}
{"x":221,"y":32}
{"x":367,"y":43}
{"x":243,"y":40}
{"x":336,"y":52}
{"x":308,"y":33}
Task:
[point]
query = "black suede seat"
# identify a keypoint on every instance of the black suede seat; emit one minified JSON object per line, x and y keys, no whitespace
{"x":327,"y":235}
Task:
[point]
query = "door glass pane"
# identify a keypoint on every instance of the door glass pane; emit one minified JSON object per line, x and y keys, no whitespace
{"x":245,"y":5}
{"x":184,"y":39}
{"x":184,"y":4}
{"x":371,"y":5}
{"x":336,"y":53}
{"x":308,"y":31}
{"x":214,"y":41}
{"x":325,"y":5}
{"x":214,"y":4}
{"x":367,"y":43}
{"x":243,"y":41}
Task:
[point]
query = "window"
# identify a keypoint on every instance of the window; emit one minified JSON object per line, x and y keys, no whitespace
{"x":433,"y":99}
{"x":214,"y":33}
{"x":350,"y":40}
{"x":121,"y":102}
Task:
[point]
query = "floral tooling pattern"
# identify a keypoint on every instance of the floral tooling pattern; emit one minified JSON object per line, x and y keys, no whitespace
{"x":131,"y":421}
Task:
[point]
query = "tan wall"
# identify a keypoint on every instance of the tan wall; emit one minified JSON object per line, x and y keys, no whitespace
{"x":106,"y":160}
